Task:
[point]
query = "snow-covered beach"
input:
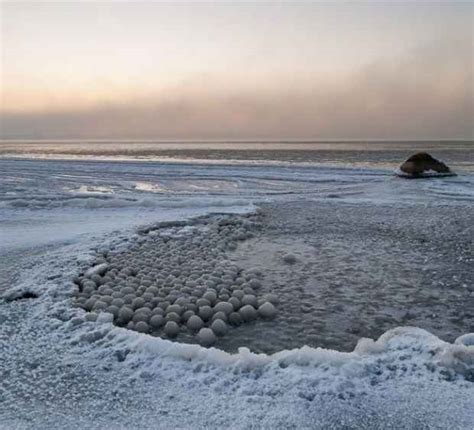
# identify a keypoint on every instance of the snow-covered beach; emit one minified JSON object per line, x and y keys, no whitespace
{"x":375,"y":256}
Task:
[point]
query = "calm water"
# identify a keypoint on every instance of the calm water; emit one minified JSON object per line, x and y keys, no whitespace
{"x":458,"y":154}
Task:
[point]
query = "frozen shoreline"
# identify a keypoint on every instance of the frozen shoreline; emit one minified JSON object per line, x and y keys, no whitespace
{"x":57,"y":374}
{"x":356,"y":271}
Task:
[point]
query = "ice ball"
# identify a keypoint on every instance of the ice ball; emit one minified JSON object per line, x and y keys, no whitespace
{"x":125,"y":314}
{"x":157,"y":321}
{"x":225,"y":307}
{"x":219,"y":327}
{"x":250,"y":299}
{"x":195,"y":323}
{"x":205,"y":312}
{"x":206,"y":337}
{"x":142,"y":327}
{"x":267,"y":310}
{"x":235,"y":319}
{"x":289,"y":258}
{"x":171,"y":329}
{"x":248,"y":313}
{"x":173,"y":316}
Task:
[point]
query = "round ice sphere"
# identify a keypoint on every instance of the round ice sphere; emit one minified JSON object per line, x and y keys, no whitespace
{"x":127,"y":290}
{"x":142,"y":327}
{"x":235,"y":319}
{"x":164,"y":304}
{"x":205,"y":312}
{"x":114,"y":310}
{"x":107,"y":299}
{"x":203,"y":302}
{"x":89,"y":304}
{"x":210,"y":296}
{"x":219,"y":327}
{"x":250,"y":299}
{"x":195,"y":323}
{"x":186,"y":315}
{"x":99,"y":305}
{"x":138,"y":303}
{"x":177,"y":309}
{"x":171,"y":329}
{"x":129,"y":298}
{"x":157,"y":311}
{"x":157,"y":321}
{"x":248,"y":313}
{"x":465,"y":339}
{"x":289,"y":258}
{"x":125,"y":314}
{"x":219,"y":316}
{"x":145,"y":310}
{"x":173,"y":316}
{"x":140,"y":316}
{"x":91,"y":284}
{"x":181,"y":301}
{"x":88,"y":289}
{"x":118,"y":302}
{"x":267,"y":310}
{"x":238,"y":293}
{"x":152,"y":290}
{"x":225,"y":307}
{"x":272,"y":298}
{"x":235,"y":302}
{"x":206,"y":337}
{"x":192,"y":307}
{"x":255,"y":284}
{"x":147,"y":297}
{"x":97,"y":279}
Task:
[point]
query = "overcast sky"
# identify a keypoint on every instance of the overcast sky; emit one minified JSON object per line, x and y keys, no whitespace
{"x":390,"y":70}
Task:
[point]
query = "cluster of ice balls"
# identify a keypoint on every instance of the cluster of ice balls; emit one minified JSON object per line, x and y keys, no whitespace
{"x":178,"y":280}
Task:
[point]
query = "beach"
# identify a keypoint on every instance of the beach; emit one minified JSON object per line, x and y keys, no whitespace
{"x":370,"y":277}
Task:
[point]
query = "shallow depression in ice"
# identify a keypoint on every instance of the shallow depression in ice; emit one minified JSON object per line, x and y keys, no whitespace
{"x":174,"y":280}
{"x":224,"y":281}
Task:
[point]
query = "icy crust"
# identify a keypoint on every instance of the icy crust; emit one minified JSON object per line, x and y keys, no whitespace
{"x":88,"y":201}
{"x":400,"y":351}
{"x":426,"y":174}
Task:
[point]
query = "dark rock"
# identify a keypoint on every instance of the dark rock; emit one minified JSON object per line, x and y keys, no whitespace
{"x":423,"y":165}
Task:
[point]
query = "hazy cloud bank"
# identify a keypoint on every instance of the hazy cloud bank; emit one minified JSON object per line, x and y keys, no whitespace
{"x":428,"y":93}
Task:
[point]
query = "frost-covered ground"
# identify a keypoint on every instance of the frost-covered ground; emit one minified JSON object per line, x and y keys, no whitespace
{"x":59,"y":371}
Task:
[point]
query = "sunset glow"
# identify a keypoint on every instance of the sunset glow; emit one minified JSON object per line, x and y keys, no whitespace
{"x":237,"y":70}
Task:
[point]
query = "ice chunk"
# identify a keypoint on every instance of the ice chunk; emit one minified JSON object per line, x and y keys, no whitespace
{"x":100,"y":269}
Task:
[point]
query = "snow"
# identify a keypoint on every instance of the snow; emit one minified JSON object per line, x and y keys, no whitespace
{"x":62,"y":367}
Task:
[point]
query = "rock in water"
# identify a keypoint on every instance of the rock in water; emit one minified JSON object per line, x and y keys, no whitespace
{"x":423,"y":165}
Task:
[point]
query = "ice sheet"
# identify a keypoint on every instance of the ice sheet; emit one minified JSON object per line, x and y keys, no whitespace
{"x":60,"y":372}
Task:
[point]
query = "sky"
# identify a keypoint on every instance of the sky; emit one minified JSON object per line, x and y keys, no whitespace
{"x":237,"y":70}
